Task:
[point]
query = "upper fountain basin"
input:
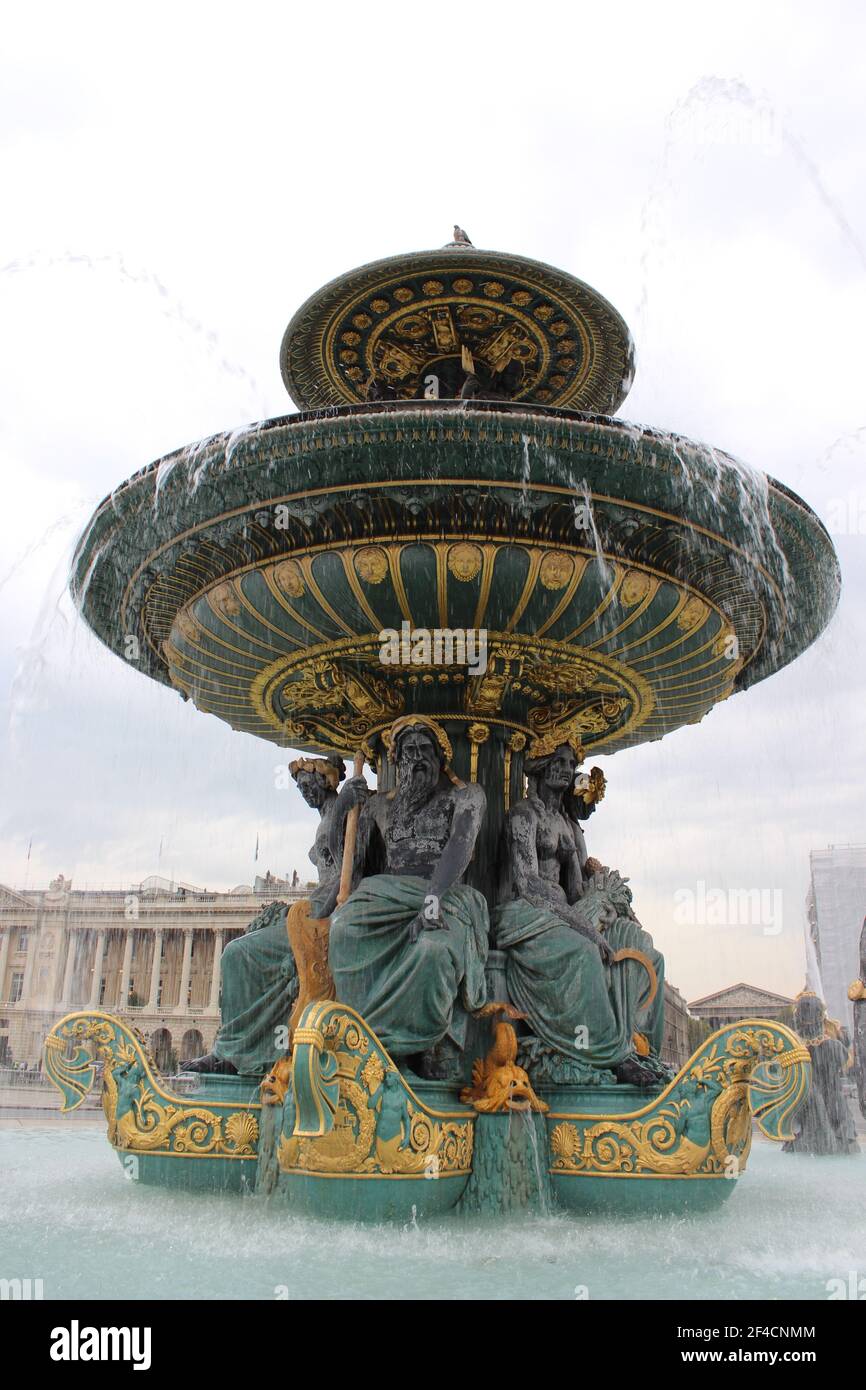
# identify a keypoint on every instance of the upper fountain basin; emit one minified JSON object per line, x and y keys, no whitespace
{"x":626,"y":579}
{"x":405,"y":323}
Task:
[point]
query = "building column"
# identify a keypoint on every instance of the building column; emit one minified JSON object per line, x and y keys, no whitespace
{"x":185,"y":972}
{"x":4,"y":961}
{"x":125,"y":970}
{"x":218,"y":938}
{"x":72,"y":942}
{"x":156,"y":965}
{"x":33,"y":935}
{"x":96,"y":978}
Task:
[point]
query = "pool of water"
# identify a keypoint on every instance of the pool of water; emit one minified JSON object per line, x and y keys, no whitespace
{"x":69,"y":1217}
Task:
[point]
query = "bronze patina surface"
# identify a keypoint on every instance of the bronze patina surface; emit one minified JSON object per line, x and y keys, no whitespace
{"x":534,"y":333}
{"x":258,"y":571}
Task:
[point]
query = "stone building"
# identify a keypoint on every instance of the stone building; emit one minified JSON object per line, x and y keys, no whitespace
{"x":737,"y":1002}
{"x":675,"y":1048}
{"x":150,"y":953}
{"x":835,"y":908}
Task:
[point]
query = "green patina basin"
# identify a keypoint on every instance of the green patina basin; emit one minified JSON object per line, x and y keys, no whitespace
{"x":626,"y":580}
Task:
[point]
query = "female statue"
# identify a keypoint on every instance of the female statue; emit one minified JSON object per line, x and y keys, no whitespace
{"x":563,"y":922}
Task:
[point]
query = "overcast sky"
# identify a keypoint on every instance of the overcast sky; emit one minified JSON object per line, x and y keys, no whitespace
{"x":177,"y":179}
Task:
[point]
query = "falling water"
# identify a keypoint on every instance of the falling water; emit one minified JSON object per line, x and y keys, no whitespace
{"x":813,"y":969}
{"x":171,"y":307}
{"x":528,"y":1120}
{"x":713,"y":98}
{"x":585,"y":517}
{"x":524,"y":476}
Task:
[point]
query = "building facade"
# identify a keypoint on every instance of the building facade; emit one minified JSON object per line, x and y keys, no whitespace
{"x":675,"y":1048}
{"x":835,"y":908}
{"x":151,"y":954}
{"x":738,"y":1002}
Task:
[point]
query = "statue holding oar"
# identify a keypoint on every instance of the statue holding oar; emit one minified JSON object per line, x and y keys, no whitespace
{"x":280,"y":964}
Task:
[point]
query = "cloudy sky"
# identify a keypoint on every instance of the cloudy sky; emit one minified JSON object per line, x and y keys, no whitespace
{"x":177,"y":179}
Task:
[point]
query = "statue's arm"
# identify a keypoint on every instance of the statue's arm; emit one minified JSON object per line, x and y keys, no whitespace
{"x":368,"y":857}
{"x":470,"y":805}
{"x":354,"y":792}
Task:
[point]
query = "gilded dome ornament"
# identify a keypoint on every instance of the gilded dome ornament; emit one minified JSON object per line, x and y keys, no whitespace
{"x":523,"y":321}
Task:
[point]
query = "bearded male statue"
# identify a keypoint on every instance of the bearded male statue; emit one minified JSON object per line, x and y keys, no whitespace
{"x":409,"y":946}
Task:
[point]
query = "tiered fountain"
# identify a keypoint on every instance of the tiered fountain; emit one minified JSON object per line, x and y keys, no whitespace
{"x":455,"y":465}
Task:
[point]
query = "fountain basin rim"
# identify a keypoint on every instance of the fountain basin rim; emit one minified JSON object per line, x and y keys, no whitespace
{"x":732,"y":551}
{"x":450,"y":407}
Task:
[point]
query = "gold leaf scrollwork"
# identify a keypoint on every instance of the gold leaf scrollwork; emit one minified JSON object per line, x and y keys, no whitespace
{"x":566,"y":720}
{"x":477,"y":734}
{"x":464,"y":561}
{"x":289,"y":578}
{"x":701,"y":1124}
{"x":557,"y":569}
{"x":371,"y":564}
{"x":411,"y":1141}
{"x":635,"y":587}
{"x":142,"y":1118}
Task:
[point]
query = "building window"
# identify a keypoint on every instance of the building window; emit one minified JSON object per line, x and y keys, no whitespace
{"x":23,"y":937}
{"x":17,"y":988}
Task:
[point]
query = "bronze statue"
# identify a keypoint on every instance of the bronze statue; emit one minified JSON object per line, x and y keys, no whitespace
{"x":260,"y":971}
{"x":857,"y":994}
{"x":823,"y":1124}
{"x":408,"y":947}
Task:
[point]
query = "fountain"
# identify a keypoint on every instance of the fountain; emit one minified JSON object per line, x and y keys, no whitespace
{"x":823,"y":1124}
{"x":456,"y":566}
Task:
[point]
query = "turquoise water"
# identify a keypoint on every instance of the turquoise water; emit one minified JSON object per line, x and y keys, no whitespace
{"x":69,"y":1217}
